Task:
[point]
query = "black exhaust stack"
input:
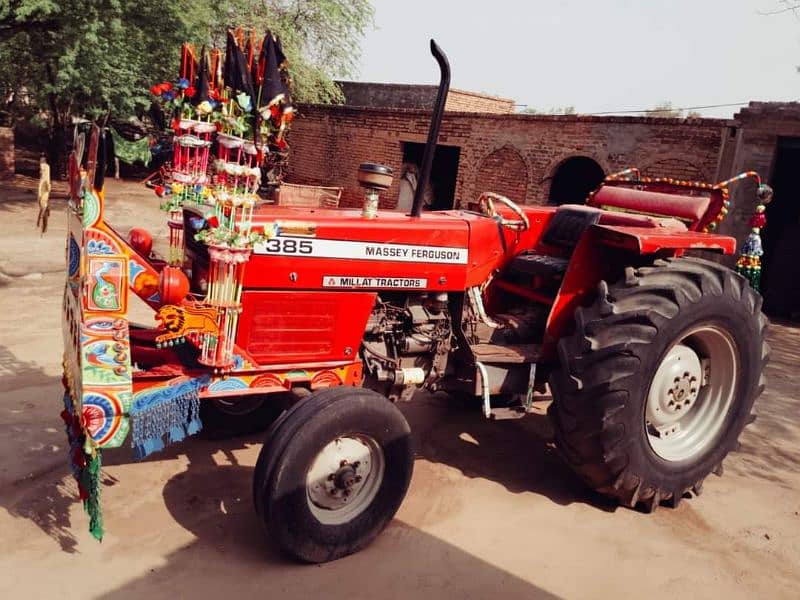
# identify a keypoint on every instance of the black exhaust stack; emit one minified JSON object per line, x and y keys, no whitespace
{"x":433,"y":132}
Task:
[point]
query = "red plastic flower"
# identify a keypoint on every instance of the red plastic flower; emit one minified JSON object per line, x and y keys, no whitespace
{"x":166,"y":86}
{"x":281,"y":144}
{"x":156,"y":89}
{"x":189,"y":92}
{"x":212,"y":221}
{"x":758,"y":220}
{"x":275,"y":112}
{"x":159,"y":189}
{"x":214,"y":94}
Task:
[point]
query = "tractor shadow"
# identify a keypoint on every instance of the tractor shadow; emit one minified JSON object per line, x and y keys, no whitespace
{"x":518,"y":454}
{"x":34,"y":480}
{"x":212,"y":500}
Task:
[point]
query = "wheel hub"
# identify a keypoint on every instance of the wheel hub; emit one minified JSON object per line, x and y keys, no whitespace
{"x":674,"y":390}
{"x":690,"y":393}
{"x":344,"y":478}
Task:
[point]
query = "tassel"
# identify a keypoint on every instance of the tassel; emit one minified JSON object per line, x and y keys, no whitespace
{"x":90,"y":480}
{"x":85,"y":466}
{"x":172,"y":411}
{"x":749,"y":263}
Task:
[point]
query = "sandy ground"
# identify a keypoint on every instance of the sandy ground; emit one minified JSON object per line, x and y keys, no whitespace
{"x":492,"y":512}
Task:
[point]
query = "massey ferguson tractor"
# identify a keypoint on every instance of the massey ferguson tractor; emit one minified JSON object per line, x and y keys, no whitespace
{"x":654,"y":358}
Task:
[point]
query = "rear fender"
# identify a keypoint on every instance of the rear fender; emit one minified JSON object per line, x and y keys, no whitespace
{"x":603,"y":253}
{"x":650,"y":240}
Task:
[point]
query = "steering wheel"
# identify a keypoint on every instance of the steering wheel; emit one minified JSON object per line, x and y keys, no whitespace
{"x":486,"y":203}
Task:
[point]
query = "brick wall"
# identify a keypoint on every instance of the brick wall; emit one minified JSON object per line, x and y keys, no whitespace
{"x":461,"y":101}
{"x":419,"y":97}
{"x":6,"y":152}
{"x":759,"y":127}
{"x":516,"y":153}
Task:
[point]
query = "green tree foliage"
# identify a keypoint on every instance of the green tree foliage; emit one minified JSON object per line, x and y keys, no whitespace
{"x":321,"y":38}
{"x":95,"y":58}
{"x":564,"y":110}
{"x":666,"y":110}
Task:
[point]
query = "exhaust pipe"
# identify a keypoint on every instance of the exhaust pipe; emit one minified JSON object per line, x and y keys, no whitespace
{"x":433,"y":132}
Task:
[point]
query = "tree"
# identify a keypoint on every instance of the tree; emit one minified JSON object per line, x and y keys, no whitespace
{"x":321,"y":38}
{"x":96,"y":58}
{"x":564,"y":110}
{"x":665,"y":110}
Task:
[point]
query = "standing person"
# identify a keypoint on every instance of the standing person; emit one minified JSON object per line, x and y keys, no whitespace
{"x":409,"y":177}
{"x":44,"y":194}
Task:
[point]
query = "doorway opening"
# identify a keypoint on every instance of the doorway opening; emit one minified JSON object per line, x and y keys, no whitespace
{"x":574,"y":179}
{"x":444,"y":171}
{"x":780,"y":275}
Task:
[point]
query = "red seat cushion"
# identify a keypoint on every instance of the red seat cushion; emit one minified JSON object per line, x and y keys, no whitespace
{"x":656,"y":204}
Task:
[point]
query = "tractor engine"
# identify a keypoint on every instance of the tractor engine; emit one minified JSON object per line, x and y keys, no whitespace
{"x":406,"y":343}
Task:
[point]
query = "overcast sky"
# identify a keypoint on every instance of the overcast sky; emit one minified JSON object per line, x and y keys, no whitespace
{"x":598,"y":56}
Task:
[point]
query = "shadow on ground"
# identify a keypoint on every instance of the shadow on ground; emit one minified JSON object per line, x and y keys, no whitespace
{"x":34,"y":449}
{"x":213,"y":502}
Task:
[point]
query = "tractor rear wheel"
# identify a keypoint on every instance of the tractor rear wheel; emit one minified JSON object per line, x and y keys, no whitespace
{"x":333,"y":472}
{"x":659,"y":379}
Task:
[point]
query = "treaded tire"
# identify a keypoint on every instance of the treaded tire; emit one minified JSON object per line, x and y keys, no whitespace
{"x":608,"y":364}
{"x":295,"y":440}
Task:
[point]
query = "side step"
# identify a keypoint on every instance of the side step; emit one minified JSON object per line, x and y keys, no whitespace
{"x":508,"y":412}
{"x":499,"y":354}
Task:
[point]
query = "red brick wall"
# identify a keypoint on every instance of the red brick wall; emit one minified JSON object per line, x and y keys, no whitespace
{"x":461,"y":101}
{"x":504,"y":171}
{"x":6,"y":152}
{"x":329,"y":142}
{"x":759,"y":126}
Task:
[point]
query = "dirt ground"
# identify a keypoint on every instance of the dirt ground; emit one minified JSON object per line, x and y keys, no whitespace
{"x":492,"y":511}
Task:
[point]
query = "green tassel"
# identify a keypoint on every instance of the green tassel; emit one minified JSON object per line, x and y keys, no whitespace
{"x":90,"y":482}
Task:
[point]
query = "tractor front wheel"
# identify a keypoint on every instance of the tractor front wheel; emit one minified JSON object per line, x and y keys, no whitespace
{"x":333,"y":472}
{"x":659,"y":379}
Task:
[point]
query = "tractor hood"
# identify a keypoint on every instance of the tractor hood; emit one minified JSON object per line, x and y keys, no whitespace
{"x":339,"y":249}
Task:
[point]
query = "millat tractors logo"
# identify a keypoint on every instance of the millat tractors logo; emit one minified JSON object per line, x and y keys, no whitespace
{"x":353,"y":282}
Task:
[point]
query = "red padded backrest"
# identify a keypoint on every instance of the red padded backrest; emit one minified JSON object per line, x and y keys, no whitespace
{"x":656,"y":204}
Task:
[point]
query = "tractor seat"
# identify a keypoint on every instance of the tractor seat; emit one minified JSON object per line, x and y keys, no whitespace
{"x":564,"y":231}
{"x":689,"y":209}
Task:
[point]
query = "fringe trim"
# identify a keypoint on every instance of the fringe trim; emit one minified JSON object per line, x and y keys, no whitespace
{"x":86,"y":467}
{"x":171,"y":412}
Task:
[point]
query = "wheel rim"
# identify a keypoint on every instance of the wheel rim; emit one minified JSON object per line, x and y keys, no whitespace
{"x":240,"y":406}
{"x":691,"y":394}
{"x":344,"y":478}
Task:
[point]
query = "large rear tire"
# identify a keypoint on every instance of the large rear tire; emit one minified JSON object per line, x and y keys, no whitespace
{"x":659,"y":379}
{"x":333,"y":472}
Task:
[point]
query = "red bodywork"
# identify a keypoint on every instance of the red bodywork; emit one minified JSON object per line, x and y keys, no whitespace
{"x":309,"y":292}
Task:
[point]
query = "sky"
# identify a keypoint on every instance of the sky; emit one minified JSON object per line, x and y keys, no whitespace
{"x":598,"y":56}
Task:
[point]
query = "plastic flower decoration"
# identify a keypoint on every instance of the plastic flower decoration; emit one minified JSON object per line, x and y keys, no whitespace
{"x":244,"y":102}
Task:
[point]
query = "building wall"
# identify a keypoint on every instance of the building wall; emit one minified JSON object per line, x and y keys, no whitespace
{"x":461,"y":101}
{"x":419,"y":97}
{"x":756,"y":137}
{"x":6,"y":152}
{"x":512,"y":153}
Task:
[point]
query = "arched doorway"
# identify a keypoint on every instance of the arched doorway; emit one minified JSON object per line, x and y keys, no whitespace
{"x":574,"y":179}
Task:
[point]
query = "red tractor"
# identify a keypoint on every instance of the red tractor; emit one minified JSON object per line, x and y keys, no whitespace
{"x":654,"y":358}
